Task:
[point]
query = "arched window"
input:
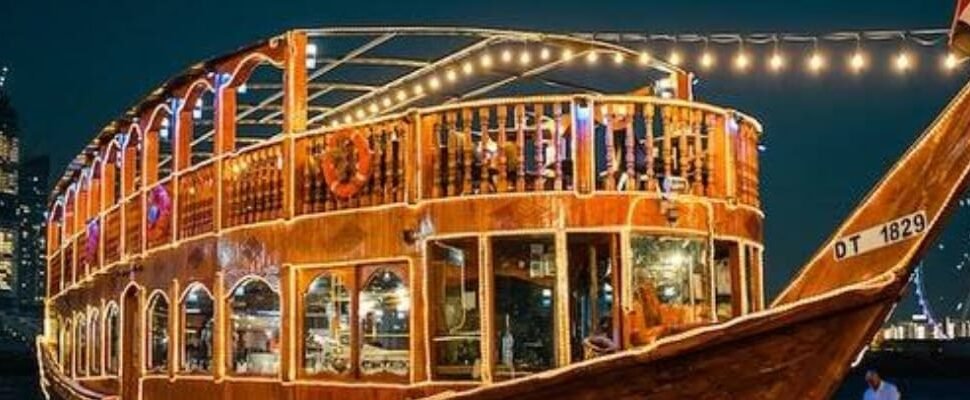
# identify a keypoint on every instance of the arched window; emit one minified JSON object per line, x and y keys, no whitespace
{"x":82,"y":346}
{"x":67,"y":348}
{"x":326,"y":326}
{"x":94,"y":324}
{"x":158,"y":334}
{"x":197,"y":325}
{"x":385,"y":308}
{"x":255,"y":317}
{"x":113,"y":332}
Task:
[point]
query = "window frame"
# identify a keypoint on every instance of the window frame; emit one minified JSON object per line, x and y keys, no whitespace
{"x":349,"y":276}
{"x":182,"y":325}
{"x":229,"y":343}
{"x":150,"y":369}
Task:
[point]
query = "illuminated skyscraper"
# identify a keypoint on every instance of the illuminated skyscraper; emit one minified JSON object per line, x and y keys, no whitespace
{"x":9,"y":161}
{"x":32,"y":239}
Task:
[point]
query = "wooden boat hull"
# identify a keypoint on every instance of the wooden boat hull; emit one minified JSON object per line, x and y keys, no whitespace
{"x":805,"y":348}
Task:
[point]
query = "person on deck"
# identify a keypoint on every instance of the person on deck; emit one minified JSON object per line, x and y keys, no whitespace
{"x":878,"y":388}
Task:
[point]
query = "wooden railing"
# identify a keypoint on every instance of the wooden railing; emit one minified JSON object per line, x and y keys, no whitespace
{"x":253,"y":185}
{"x":111,"y":235}
{"x":498,"y":147}
{"x":196,"y":201}
{"x":333,"y":173}
{"x":488,"y":147}
{"x":133,"y":225}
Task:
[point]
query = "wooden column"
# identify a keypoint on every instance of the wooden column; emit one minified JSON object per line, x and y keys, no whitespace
{"x":561,"y":305}
{"x":220,"y":346}
{"x":225,"y":139}
{"x":294,"y":115}
{"x":149,"y":159}
{"x":412,"y":141}
{"x":582,"y":113}
{"x":486,"y":295}
{"x":648,"y":115}
{"x":174,"y":329}
{"x":288,"y":314}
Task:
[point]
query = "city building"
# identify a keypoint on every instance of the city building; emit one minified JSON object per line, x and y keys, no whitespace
{"x":32,"y":237}
{"x":9,"y":160}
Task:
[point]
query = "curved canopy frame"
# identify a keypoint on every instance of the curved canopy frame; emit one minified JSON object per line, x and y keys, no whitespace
{"x":352,"y":70}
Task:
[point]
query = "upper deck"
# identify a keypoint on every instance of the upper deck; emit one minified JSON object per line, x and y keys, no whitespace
{"x":194,"y":160}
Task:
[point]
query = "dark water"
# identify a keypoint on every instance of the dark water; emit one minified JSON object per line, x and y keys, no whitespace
{"x":18,"y":375}
{"x":950,"y":381}
{"x":917,"y":377}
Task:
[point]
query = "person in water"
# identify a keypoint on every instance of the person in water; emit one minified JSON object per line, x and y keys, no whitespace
{"x":879,"y":389}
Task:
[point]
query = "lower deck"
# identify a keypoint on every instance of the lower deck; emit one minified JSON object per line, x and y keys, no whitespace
{"x":290,"y":305}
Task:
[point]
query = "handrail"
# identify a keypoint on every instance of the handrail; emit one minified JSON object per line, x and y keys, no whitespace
{"x":461,"y":172}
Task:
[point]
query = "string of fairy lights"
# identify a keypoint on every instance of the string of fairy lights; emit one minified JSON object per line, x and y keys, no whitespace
{"x":773,"y":53}
{"x":812,"y":48}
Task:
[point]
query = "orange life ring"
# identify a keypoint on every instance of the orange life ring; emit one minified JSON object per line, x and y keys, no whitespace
{"x":346,"y":163}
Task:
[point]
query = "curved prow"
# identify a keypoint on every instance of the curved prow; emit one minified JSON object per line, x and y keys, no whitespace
{"x":898,"y":219}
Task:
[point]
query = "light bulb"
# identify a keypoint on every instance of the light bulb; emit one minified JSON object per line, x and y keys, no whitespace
{"x":451,"y":75}
{"x":402,"y":95}
{"x":386,"y":102}
{"x":857,"y":62}
{"x":434,"y":83}
{"x":418,"y":89}
{"x":816,"y":62}
{"x":506,"y":56}
{"x":567,"y":54}
{"x":644,"y":58}
{"x":525,"y":58}
{"x":903,"y":62}
{"x":544,"y":54}
{"x":360,"y":113}
{"x":486,"y":60}
{"x":674,"y":58}
{"x":592,"y":56}
{"x":467,"y":68}
{"x":776,"y":62}
{"x":373,"y":108}
{"x":618,"y":58}
{"x":348,"y":119}
{"x":707,"y":60}
{"x":950,"y":61}
{"x":742,"y":61}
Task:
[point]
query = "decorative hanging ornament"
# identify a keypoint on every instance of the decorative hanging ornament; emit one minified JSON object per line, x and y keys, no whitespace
{"x":159,"y":213}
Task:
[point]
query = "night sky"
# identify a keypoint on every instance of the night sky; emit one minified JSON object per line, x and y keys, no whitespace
{"x":77,"y":64}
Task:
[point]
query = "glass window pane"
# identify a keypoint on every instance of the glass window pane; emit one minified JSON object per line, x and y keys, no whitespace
{"x":158,"y":335}
{"x":591,"y":269}
{"x":724,"y":279}
{"x":385,"y":309}
{"x":255,"y":328}
{"x":114,"y":344}
{"x":326,"y":326}
{"x":82,"y":345}
{"x":671,"y":285}
{"x":752,"y":269}
{"x":456,"y":347}
{"x":95,"y":327}
{"x":524,"y":269}
{"x":197,"y":326}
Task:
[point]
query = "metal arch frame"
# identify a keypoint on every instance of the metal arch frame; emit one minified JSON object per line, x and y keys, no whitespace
{"x":380,"y":35}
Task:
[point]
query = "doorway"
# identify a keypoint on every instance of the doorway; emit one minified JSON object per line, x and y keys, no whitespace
{"x":130,"y":340}
{"x":594,"y":276}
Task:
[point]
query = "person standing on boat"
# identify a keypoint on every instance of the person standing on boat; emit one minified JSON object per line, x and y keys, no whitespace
{"x":879,"y":389}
